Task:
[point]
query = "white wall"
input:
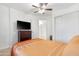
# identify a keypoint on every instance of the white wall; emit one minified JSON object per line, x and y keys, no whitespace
{"x":14,"y":16}
{"x":66,"y":26}
{"x":19,"y":15}
{"x":49,"y":26}
{"x":34,"y":25}
{"x":8,"y":25}
{"x":4,"y":27}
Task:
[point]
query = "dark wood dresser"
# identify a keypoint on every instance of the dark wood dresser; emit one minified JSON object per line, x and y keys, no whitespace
{"x":24,"y":35}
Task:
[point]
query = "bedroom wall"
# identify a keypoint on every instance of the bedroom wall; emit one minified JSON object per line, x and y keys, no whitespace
{"x":49,"y":26}
{"x":19,"y":15}
{"x":4,"y":27}
{"x":14,"y":16}
{"x":8,"y":25}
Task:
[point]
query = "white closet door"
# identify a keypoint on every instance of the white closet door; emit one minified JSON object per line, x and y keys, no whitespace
{"x":66,"y":26}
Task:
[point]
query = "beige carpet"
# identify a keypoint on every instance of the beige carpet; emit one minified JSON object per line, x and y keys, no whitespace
{"x":5,"y":52}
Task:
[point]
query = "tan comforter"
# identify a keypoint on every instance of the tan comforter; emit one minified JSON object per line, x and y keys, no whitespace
{"x":38,"y":47}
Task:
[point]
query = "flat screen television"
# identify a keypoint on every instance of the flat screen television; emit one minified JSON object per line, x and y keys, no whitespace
{"x":23,"y":25}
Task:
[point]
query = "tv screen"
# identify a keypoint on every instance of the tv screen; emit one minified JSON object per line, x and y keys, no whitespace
{"x":23,"y":25}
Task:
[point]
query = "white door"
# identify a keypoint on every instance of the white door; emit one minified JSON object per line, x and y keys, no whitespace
{"x":42,"y":29}
{"x":66,"y":27}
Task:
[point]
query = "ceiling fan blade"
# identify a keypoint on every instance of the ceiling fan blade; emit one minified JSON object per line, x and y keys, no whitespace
{"x":35,"y":11}
{"x":49,"y":9}
{"x":34,"y":6}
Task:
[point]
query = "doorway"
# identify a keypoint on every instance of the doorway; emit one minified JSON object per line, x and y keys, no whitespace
{"x":42,"y":29}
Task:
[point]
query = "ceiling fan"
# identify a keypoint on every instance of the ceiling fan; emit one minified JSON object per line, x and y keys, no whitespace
{"x":42,"y":7}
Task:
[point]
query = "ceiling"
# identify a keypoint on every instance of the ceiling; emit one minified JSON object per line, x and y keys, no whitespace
{"x":27,"y":7}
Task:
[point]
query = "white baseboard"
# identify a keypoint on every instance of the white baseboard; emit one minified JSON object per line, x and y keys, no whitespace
{"x":1,"y":48}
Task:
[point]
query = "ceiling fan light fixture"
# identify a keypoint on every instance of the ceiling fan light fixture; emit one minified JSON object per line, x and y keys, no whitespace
{"x":44,"y":6}
{"x":41,"y":11}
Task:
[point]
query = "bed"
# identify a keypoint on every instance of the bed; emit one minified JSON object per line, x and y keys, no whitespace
{"x":40,"y":47}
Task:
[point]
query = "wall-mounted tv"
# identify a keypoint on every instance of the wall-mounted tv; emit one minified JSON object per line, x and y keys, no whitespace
{"x":23,"y":25}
